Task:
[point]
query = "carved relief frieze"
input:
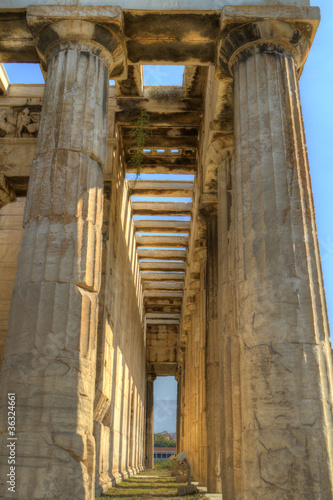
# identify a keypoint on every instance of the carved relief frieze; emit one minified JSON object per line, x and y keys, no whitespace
{"x":19,"y":122}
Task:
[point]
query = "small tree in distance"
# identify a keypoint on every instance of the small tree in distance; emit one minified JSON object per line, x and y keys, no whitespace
{"x":161,"y":441}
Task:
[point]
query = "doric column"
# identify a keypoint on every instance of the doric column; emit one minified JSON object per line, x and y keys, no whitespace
{"x":213,"y":367}
{"x":150,"y":421}
{"x":178,"y":422}
{"x":285,"y":364}
{"x":221,"y":387}
{"x":228,"y":319}
{"x":51,"y":345}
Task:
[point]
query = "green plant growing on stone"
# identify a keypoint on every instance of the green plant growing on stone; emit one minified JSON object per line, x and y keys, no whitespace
{"x":162,"y":464}
{"x":140,"y":134}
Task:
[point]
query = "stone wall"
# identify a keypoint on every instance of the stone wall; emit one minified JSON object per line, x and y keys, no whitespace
{"x":161,"y":341}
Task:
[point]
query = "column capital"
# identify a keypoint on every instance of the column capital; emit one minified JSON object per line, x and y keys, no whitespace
{"x":208,"y":205}
{"x":151,"y":377}
{"x":178,"y":373}
{"x":219,"y":149}
{"x":245,"y":29}
{"x":60,"y":27}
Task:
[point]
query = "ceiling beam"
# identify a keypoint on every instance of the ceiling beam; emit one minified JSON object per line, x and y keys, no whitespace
{"x":161,"y":208}
{"x":162,"y":285}
{"x":162,"y":266}
{"x":162,"y":241}
{"x":161,"y":226}
{"x":162,"y":169}
{"x":163,"y":315}
{"x":162,"y":276}
{"x":161,"y":254}
{"x":162,"y":321}
{"x":163,"y":294}
{"x":161,"y":302}
{"x":161,"y":188}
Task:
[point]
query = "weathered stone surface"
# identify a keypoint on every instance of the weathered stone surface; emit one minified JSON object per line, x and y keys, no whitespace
{"x":120,"y":392}
{"x":163,"y":4}
{"x":293,"y":27}
{"x":213,"y":366}
{"x":193,"y":427}
{"x":174,"y":31}
{"x":52,"y":329}
{"x":231,"y":423}
{"x":7,"y":193}
{"x":11,"y":231}
{"x":102,"y":26}
{"x":285,"y":365}
{"x":234,"y":308}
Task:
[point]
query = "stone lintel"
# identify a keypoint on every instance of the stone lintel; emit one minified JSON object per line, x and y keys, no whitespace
{"x":162,"y":369}
{"x":101,"y":27}
{"x":151,"y":36}
{"x":7,"y":193}
{"x":161,"y":5}
{"x":243,"y":27}
{"x":168,"y":36}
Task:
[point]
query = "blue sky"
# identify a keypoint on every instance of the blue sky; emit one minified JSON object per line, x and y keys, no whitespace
{"x":165,"y":404}
{"x":316,"y":86}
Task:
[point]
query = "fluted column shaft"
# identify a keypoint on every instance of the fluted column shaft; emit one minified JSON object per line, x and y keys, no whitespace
{"x":178,"y":423}
{"x":51,"y":347}
{"x":213,"y":373}
{"x":230,"y":423}
{"x":150,"y":422}
{"x":285,"y":360}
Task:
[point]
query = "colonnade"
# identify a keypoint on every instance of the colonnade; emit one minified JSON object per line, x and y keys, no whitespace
{"x":255,"y":383}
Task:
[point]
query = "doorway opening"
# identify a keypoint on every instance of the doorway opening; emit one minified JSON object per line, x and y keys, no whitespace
{"x":165,"y":420}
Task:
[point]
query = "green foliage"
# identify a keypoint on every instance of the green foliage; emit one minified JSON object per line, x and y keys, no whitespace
{"x":140,"y":134}
{"x":161,"y":441}
{"x":162,"y":464}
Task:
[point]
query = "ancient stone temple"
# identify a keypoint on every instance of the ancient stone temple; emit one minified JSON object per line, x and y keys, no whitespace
{"x":100,"y":292}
